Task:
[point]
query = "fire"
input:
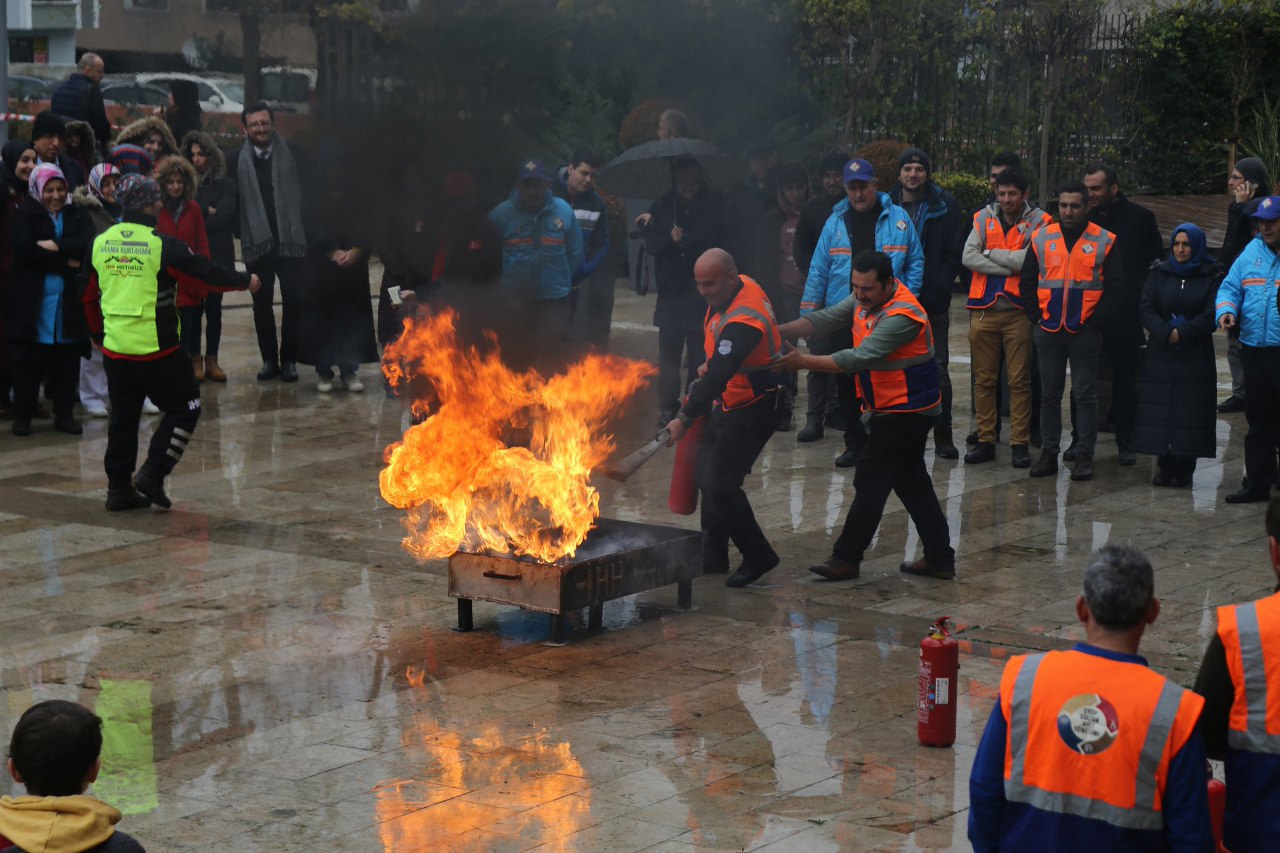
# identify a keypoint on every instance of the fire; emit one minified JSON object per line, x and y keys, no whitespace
{"x":462,"y":485}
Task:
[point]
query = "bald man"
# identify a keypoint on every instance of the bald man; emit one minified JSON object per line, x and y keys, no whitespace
{"x":79,"y":97}
{"x":742,"y":394}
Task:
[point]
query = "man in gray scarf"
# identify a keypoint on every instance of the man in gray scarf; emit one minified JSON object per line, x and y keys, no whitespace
{"x":272,"y":237}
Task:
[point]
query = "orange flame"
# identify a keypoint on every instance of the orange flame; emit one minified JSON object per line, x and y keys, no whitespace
{"x":462,"y":485}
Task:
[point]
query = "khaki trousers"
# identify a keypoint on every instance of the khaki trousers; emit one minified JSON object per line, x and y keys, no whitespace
{"x":990,"y":333}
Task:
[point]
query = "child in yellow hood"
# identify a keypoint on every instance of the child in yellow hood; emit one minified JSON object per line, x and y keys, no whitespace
{"x":54,"y":753}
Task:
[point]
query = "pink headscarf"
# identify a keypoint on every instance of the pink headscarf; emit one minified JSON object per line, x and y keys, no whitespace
{"x":96,"y":174}
{"x":41,"y":175}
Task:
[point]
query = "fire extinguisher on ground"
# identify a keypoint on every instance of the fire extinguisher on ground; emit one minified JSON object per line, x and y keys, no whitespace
{"x":682,"y":499}
{"x":1217,"y":810}
{"x":939,"y":670}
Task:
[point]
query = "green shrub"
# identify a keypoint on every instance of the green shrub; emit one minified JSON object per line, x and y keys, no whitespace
{"x":883,"y":155}
{"x":971,"y":191}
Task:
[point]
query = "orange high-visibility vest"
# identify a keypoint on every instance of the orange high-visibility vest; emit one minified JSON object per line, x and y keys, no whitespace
{"x":1250,"y":635}
{"x":911,"y":385}
{"x":754,"y":377}
{"x":1070,"y":282}
{"x":985,"y":289}
{"x":1092,"y":737}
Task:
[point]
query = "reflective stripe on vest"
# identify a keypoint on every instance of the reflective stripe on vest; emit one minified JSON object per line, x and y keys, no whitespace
{"x":1146,"y":812}
{"x":1070,"y":282}
{"x":911,"y":384}
{"x":126,"y":258}
{"x":985,"y":289}
{"x":1255,"y":713}
{"x":751,"y":307}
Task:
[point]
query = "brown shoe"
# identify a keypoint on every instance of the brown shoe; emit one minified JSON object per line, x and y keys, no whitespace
{"x":212,"y":370}
{"x":197,"y":364}
{"x":924,"y":569}
{"x":836,"y":569}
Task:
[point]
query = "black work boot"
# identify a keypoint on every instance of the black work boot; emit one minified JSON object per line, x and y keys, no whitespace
{"x":943,"y":445}
{"x":983,"y":451}
{"x":152,"y":486}
{"x":126,"y":498}
{"x":1046,"y":465}
{"x":1083,"y":469}
{"x":812,"y":429}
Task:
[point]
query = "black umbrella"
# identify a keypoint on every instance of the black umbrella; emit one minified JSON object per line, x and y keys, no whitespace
{"x":645,"y":171}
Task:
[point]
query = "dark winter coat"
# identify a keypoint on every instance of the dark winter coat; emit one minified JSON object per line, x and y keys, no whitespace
{"x":80,"y":98}
{"x":703,"y":219}
{"x":813,"y":218}
{"x":1138,"y":245}
{"x":337,"y":310}
{"x":216,"y":192}
{"x":939,"y":223}
{"x":31,"y":224}
{"x":1178,"y":385}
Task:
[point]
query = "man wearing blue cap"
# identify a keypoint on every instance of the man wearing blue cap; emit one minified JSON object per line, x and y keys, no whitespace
{"x":865,"y":221}
{"x":1247,"y":301}
{"x":541,"y":250}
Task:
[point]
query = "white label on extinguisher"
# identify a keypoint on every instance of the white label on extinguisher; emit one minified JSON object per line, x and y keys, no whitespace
{"x":942,"y":690}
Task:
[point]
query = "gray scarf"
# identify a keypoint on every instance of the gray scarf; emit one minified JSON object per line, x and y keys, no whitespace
{"x":255,"y":231}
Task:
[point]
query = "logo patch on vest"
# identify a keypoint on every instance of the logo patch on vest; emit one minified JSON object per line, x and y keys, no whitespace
{"x":1088,"y":248}
{"x":902,"y":225}
{"x":1088,"y":724}
{"x":127,"y":233}
{"x":557,"y":223}
{"x":726,"y":347}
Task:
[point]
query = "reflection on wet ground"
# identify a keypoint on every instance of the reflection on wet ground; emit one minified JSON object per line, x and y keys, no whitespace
{"x":276,"y":674}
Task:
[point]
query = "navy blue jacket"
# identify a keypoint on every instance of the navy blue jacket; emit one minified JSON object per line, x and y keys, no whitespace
{"x":942,"y":231}
{"x":593,"y":219}
{"x":79,"y":98}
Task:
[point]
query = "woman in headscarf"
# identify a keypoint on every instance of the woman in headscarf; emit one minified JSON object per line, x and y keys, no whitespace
{"x":181,"y":218}
{"x":19,"y":159}
{"x":97,"y":200}
{"x":46,"y":324}
{"x":775,"y":266}
{"x":216,"y":198}
{"x":183,"y":114}
{"x":1176,"y":418}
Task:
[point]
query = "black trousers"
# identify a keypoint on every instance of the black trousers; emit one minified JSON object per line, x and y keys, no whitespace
{"x":1262,"y":411}
{"x":893,"y":461}
{"x":1123,"y":348}
{"x":291,"y":272}
{"x":675,"y":345}
{"x":32,"y":362}
{"x":171,"y":384}
{"x":731,"y":443}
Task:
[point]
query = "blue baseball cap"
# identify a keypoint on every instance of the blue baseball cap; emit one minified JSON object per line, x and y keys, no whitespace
{"x":531,"y":169}
{"x":859,"y":170}
{"x":1268,"y":208}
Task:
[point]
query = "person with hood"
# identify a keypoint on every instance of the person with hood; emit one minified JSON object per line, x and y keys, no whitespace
{"x":183,"y":113}
{"x":81,"y":146}
{"x":181,"y":217}
{"x":152,"y":135}
{"x":576,"y":184}
{"x":865,"y":221}
{"x":130,"y":305}
{"x":1249,"y":182}
{"x":56,"y":754}
{"x":337,"y":318}
{"x":46,"y":328}
{"x":1176,"y":421}
{"x":938,"y":221}
{"x":19,"y":159}
{"x":79,"y":97}
{"x":813,"y":217}
{"x":775,"y":266}
{"x":98,"y":201}
{"x":541,"y":250}
{"x":48,"y":137}
{"x":687,"y":221}
{"x":216,"y":198}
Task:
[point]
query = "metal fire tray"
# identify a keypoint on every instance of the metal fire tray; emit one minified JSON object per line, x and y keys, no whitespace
{"x":619,"y":558}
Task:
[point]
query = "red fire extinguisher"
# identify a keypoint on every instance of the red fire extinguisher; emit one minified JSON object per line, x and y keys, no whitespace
{"x":683,"y":497}
{"x":939,"y":670}
{"x":1217,"y":810}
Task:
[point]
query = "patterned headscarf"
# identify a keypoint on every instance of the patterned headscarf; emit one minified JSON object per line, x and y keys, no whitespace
{"x":41,"y":175}
{"x":137,"y":191}
{"x":96,"y":174}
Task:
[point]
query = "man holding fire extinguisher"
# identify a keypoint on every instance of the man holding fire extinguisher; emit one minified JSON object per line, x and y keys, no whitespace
{"x":897,"y":377}
{"x":1089,"y":749}
{"x":742,"y":394}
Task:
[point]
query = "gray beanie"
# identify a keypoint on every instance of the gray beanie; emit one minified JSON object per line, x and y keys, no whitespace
{"x":1255,"y":172}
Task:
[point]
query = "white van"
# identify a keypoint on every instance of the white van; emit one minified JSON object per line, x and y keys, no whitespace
{"x":217,"y":94}
{"x":288,"y":88}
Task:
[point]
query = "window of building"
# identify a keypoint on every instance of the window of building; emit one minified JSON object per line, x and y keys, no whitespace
{"x":147,"y":5}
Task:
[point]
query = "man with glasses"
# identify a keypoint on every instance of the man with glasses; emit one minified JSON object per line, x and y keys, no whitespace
{"x":272,"y":237}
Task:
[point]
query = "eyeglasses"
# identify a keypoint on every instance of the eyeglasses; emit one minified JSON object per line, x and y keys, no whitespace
{"x":255,"y":125}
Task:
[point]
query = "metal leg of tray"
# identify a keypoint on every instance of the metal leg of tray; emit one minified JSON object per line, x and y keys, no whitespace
{"x":557,"y":629}
{"x":684,"y":594}
{"x":464,"y":615}
{"x":595,"y":617}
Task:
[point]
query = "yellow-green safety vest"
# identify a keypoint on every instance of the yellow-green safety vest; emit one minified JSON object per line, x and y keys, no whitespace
{"x":127,"y":259}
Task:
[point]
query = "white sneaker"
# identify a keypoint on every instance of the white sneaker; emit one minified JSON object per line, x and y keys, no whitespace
{"x":325,"y":385}
{"x":354,"y":385}
{"x":150,"y":408}
{"x":96,"y":411}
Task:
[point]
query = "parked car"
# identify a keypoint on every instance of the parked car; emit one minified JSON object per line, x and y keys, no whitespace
{"x":29,"y":88}
{"x":217,"y":94}
{"x":119,"y":91}
{"x":288,"y":88}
